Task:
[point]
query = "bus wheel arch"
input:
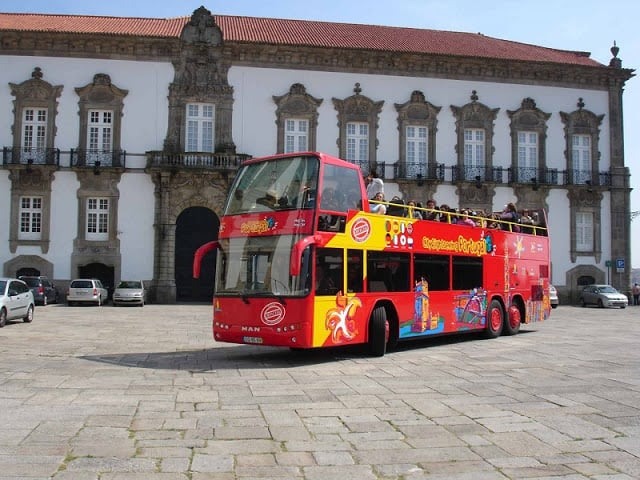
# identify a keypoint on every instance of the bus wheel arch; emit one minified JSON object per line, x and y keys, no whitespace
{"x":495,"y":319}
{"x":515,"y":314}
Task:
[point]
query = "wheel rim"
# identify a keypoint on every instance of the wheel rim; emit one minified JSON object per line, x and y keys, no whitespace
{"x":496,"y":319}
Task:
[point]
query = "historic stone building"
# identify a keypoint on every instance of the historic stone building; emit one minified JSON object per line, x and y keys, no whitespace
{"x":121,"y":135}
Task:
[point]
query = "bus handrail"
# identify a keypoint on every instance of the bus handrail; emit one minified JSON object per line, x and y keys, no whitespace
{"x":200,"y":253}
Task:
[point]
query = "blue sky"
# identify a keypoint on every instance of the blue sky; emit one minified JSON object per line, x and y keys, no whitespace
{"x":585,"y":25}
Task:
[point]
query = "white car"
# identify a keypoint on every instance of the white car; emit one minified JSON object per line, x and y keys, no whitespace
{"x":16,"y":301}
{"x":553,"y":297}
{"x":87,"y":290}
{"x":129,"y":292}
{"x":604,"y":296}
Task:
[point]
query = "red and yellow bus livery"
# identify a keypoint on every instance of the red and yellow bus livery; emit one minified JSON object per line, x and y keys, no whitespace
{"x":302,"y":263}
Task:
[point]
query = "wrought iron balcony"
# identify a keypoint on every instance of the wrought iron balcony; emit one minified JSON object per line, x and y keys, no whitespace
{"x":476,"y":174}
{"x":533,"y":176}
{"x":98,"y":158}
{"x":419,"y":171}
{"x":195,"y":160}
{"x":586,"y":177}
{"x":30,"y":156}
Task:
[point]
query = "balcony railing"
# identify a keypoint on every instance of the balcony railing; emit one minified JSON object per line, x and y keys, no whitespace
{"x":98,"y":158}
{"x":586,"y":177}
{"x":212,"y":161}
{"x":419,"y":171}
{"x":532,"y":175}
{"x":30,"y":156}
{"x":476,"y":174}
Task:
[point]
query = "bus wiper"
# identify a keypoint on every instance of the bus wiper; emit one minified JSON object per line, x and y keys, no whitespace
{"x":279,"y":296}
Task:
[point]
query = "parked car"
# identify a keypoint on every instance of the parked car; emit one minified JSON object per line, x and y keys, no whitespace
{"x":553,"y":296}
{"x":87,"y":290}
{"x":603,"y":296}
{"x":44,"y":291}
{"x":129,"y":292}
{"x":16,"y":301}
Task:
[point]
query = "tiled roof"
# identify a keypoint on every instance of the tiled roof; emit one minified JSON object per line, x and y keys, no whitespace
{"x":309,"y":33}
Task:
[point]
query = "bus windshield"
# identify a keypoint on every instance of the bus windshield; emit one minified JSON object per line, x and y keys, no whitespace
{"x":259,"y":266}
{"x":284,"y":184}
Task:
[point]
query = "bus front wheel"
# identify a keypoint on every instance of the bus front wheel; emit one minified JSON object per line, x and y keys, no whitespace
{"x":495,"y":320}
{"x":378,"y":332}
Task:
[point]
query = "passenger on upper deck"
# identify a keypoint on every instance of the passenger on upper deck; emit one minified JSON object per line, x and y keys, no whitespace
{"x":374,"y":184}
{"x":378,"y":207}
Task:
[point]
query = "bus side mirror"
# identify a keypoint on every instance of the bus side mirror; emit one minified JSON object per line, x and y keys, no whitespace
{"x":296,"y":254}
{"x":199,"y":255}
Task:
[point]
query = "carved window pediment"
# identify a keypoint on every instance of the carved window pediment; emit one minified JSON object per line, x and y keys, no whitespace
{"x":297,"y":103}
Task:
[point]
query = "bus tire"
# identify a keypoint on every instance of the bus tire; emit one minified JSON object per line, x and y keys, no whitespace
{"x":495,"y":320}
{"x":378,"y":332}
{"x":513,"y":321}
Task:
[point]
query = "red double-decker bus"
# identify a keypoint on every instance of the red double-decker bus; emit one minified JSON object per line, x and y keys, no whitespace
{"x":302,"y":263}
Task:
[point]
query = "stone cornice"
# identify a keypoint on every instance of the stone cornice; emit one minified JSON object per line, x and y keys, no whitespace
{"x":311,"y":58}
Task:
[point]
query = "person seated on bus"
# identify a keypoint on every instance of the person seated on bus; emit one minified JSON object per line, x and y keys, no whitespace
{"x":396,"y":207}
{"x":378,"y":207}
{"x":510,"y":214}
{"x":527,"y":221}
{"x":331,"y":200}
{"x":412,"y":212}
{"x":432,"y":211}
{"x":466,"y":220}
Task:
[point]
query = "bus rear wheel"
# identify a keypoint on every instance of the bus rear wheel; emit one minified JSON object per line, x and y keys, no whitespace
{"x":495,"y":320}
{"x":378,"y":332}
{"x":512,"y":324}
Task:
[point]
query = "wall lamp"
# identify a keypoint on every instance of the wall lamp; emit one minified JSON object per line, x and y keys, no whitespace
{"x":29,"y":165}
{"x":96,"y":167}
{"x":534,"y":181}
{"x":420,"y":180}
{"x":478,"y":181}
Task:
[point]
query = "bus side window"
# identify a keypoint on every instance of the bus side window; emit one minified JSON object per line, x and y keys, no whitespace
{"x":329,"y":271}
{"x":354,"y":271}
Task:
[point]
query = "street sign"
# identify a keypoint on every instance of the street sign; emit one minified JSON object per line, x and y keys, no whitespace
{"x":620,"y":265}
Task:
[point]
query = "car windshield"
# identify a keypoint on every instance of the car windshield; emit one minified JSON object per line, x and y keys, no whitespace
{"x":81,"y":284}
{"x":32,"y":282}
{"x":130,"y":284}
{"x":607,"y":289}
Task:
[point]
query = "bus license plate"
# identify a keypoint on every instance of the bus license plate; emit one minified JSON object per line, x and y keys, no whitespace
{"x":252,"y":339}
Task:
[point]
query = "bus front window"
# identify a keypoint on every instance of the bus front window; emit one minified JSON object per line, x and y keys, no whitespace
{"x":276,"y":184}
{"x":259,"y":266}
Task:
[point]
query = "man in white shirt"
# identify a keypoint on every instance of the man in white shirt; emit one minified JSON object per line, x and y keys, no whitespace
{"x":374,"y":184}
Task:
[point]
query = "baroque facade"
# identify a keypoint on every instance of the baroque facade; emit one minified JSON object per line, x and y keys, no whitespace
{"x":121,"y":136}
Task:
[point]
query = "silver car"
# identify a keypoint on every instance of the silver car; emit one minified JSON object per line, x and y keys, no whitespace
{"x":129,"y":292}
{"x":603,"y":296}
{"x":16,"y":301}
{"x":87,"y":290}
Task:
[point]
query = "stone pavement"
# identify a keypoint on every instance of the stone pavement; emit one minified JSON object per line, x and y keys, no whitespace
{"x":107,"y":393}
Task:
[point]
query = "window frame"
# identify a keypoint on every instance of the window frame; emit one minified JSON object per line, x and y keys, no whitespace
{"x":205,"y":125}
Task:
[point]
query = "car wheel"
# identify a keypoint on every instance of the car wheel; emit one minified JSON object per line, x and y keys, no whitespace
{"x":600,"y":304}
{"x":44,"y":300}
{"x":99,"y":301}
{"x":3,"y":318}
{"x":584,"y":304}
{"x":29,"y":317}
{"x":554,"y":306}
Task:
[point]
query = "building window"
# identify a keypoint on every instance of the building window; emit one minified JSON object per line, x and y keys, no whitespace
{"x":417,"y":124}
{"x":527,"y":156}
{"x":581,"y":158}
{"x":358,"y":121}
{"x":529,"y":136}
{"x":474,"y":131}
{"x":30,"y":218}
{"x":474,"y":153}
{"x":584,"y":231}
{"x":34,"y":135}
{"x":296,"y":136}
{"x":199,"y":128}
{"x":98,"y":219}
{"x":357,"y":142}
{"x":99,"y":137}
{"x":417,"y":145}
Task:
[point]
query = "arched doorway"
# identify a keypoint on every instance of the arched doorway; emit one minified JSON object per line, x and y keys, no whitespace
{"x":102,"y":272}
{"x":195,"y":226}
{"x":28,"y":272}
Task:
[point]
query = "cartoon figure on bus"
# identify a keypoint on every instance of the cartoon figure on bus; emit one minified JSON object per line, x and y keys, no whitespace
{"x":341,"y":319}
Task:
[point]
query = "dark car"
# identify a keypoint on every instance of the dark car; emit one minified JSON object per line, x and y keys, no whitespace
{"x":44,"y":291}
